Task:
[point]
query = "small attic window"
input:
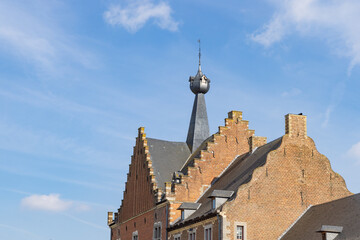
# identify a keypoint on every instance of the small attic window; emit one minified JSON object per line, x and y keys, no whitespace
{"x":188,"y":208}
{"x":219,"y":197}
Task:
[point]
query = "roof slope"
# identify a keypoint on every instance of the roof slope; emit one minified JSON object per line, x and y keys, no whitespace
{"x":167,"y":157}
{"x":343,"y":212}
{"x":199,"y":124}
{"x":238,"y":172}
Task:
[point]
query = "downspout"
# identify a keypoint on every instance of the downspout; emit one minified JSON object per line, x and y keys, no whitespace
{"x":167,"y":221}
{"x":219,"y":218}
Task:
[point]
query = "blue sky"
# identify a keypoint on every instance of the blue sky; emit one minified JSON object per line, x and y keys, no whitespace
{"x":77,"y":78}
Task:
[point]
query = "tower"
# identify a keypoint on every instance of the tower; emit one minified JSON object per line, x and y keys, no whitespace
{"x":199,"y":124}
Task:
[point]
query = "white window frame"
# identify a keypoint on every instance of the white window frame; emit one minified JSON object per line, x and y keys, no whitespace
{"x":135,"y":235}
{"x":192,"y":231}
{"x":207,"y":227}
{"x":242,"y":224}
{"x":177,"y":236}
{"x":157,"y":225}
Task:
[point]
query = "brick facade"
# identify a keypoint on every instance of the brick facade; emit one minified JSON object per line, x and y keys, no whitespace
{"x":294,"y":177}
{"x":231,"y":140}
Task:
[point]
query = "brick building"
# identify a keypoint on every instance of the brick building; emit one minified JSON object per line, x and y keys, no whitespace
{"x":229,"y":185}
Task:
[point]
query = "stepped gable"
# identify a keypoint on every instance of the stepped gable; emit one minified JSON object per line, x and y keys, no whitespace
{"x":141,"y":185}
{"x":166,"y":157}
{"x":239,"y":172}
{"x":209,"y":160}
{"x":343,"y":212}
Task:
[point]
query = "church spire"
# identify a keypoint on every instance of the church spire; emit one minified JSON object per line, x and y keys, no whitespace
{"x":199,"y":124}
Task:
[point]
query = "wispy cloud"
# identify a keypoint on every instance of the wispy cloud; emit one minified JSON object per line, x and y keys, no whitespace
{"x":108,"y":186}
{"x":354,"y":151}
{"x":136,"y":13}
{"x":23,"y":231}
{"x":43,"y":143}
{"x":291,"y":93}
{"x":85,"y":222}
{"x":336,"y":22}
{"x":39,"y":39}
{"x":80,"y":205}
{"x":336,"y":98}
{"x":51,"y":202}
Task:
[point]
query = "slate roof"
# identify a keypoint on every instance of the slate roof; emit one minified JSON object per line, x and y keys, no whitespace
{"x":238,"y":172}
{"x":199,"y":124}
{"x":221,"y":193}
{"x":344,"y":212}
{"x":189,"y":205}
{"x":167,"y":157}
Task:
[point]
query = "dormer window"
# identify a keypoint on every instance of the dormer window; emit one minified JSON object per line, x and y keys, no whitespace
{"x":188,"y":208}
{"x":330,"y":232}
{"x":219,"y":197}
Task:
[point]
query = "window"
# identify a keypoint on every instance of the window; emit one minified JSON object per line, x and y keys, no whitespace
{"x":157,"y":231}
{"x":192,"y":234}
{"x":177,"y":236}
{"x":213,"y":203}
{"x":135,"y":235}
{"x":239,"y":232}
{"x":208,"y":232}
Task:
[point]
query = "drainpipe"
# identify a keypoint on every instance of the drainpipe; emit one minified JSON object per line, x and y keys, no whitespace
{"x":219,"y":218}
{"x":167,"y":221}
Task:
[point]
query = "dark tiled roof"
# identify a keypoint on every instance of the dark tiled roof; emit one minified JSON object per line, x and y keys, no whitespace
{"x":221,"y":193}
{"x":238,"y":172}
{"x":344,"y":212}
{"x":189,"y":205}
{"x":167,"y":157}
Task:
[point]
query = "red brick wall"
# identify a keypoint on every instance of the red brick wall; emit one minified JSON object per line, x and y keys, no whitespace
{"x":140,"y":186}
{"x":295,"y":176}
{"x":143,"y":224}
{"x":231,"y":140}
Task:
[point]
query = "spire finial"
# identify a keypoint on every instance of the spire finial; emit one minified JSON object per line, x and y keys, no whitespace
{"x":199,"y":55}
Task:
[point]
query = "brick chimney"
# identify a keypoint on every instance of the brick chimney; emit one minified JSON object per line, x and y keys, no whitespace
{"x":110,"y":218}
{"x":295,"y":125}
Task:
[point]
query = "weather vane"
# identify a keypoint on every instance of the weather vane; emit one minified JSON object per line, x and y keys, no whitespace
{"x":199,"y":52}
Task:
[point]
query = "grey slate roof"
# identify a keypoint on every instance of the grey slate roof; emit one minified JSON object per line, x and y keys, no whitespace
{"x":344,"y":212}
{"x":167,"y":157}
{"x":189,"y":205}
{"x":221,"y":193}
{"x":239,"y":172}
{"x":332,"y":229}
{"x":199,"y":124}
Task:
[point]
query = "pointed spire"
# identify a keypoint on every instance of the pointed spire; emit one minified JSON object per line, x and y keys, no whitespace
{"x":199,"y":124}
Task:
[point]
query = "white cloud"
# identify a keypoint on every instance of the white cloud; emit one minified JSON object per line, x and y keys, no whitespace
{"x":354,"y":151}
{"x":136,"y":13}
{"x":334,"y":21}
{"x":51,"y":202}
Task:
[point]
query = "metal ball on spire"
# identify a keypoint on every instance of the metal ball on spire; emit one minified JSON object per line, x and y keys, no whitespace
{"x":199,"y":83}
